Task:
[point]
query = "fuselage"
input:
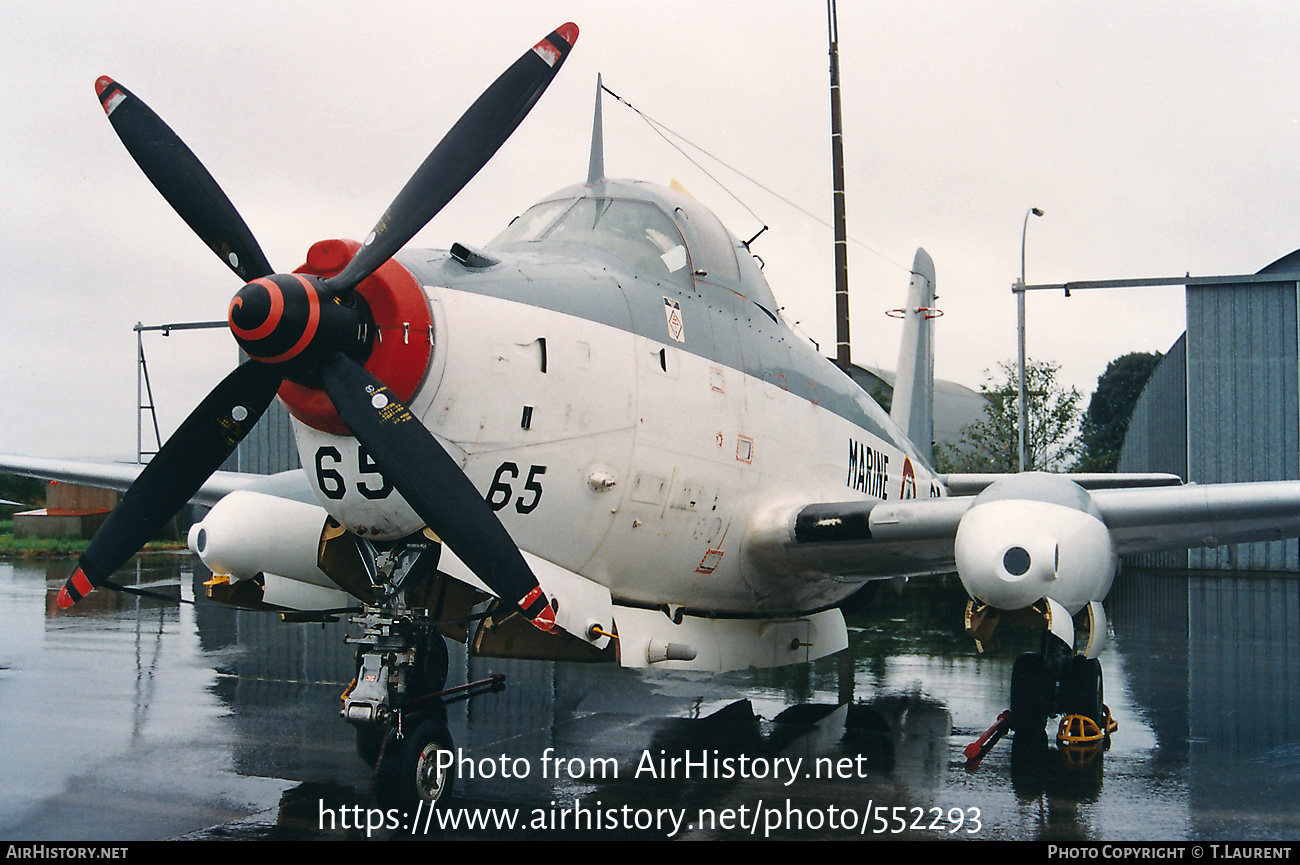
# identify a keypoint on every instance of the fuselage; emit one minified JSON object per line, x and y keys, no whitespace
{"x":620,"y":384}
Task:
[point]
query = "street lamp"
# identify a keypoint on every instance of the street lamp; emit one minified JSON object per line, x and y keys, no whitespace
{"x":1022,"y":406}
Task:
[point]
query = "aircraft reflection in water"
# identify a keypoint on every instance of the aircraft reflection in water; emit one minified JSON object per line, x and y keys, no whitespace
{"x":208,"y":715}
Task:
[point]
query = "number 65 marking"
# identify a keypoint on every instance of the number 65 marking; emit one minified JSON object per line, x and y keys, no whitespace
{"x":330,"y":480}
{"x":501,"y":491}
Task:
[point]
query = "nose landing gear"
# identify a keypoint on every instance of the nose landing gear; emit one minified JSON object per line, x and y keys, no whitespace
{"x":1057,"y":682}
{"x":397,"y":702}
{"x":398,"y":705}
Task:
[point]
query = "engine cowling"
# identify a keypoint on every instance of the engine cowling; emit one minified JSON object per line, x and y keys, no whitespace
{"x":1035,"y":536}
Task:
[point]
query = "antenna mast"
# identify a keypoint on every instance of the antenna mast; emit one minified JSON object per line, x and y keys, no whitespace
{"x":842,"y":359}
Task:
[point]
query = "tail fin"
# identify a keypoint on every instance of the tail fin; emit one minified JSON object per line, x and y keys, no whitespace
{"x":596,"y":167}
{"x":913,"y":405}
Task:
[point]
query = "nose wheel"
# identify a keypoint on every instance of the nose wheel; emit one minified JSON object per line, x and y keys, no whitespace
{"x":397,"y":703}
{"x":415,"y":767}
{"x":1081,"y":692}
{"x":1056,"y":681}
{"x":425,"y":677}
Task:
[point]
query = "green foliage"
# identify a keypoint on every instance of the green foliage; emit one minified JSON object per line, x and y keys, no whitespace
{"x":993,"y":444}
{"x":47,"y":548}
{"x":40,"y":548}
{"x":29,"y":491}
{"x":16,"y":488}
{"x":1101,"y":434}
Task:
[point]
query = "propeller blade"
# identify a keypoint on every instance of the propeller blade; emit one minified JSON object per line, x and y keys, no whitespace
{"x":174,"y":475}
{"x":434,"y":485}
{"x":188,"y":187}
{"x":464,"y":150}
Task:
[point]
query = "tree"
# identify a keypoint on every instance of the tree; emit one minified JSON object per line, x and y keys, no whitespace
{"x":16,"y":488}
{"x":1101,"y":434}
{"x":993,"y":444}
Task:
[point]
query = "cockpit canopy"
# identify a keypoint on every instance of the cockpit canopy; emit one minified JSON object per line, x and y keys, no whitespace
{"x":637,"y":232}
{"x":660,"y":233}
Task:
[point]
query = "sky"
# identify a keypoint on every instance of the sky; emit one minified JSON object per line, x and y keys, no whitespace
{"x":1159,"y":138}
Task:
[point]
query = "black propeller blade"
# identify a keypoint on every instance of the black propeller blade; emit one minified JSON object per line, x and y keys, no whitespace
{"x":433,"y":484}
{"x":464,"y":150}
{"x":316,"y":332}
{"x":177,"y":173}
{"x":174,"y":475}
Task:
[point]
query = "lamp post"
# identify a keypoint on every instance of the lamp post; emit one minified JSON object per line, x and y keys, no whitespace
{"x":1022,"y":405}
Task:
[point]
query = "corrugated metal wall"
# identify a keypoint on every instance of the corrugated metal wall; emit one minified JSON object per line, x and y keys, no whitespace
{"x":1224,"y":407}
{"x":270,"y":447}
{"x":1157,"y":436}
{"x":1243,"y":406}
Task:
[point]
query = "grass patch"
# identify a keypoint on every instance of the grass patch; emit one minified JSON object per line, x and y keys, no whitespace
{"x":51,"y":548}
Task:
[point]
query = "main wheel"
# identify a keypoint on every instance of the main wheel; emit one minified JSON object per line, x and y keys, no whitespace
{"x":1029,"y":693}
{"x":1081,"y":689}
{"x":417,"y":767}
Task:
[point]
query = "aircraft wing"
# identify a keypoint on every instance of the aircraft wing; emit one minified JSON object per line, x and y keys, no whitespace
{"x":917,"y":536}
{"x":972,"y":484}
{"x":863,"y":538}
{"x":120,"y":476}
{"x":1200,"y":515}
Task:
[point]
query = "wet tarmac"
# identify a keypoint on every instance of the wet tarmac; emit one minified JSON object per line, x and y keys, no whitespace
{"x":138,"y":719}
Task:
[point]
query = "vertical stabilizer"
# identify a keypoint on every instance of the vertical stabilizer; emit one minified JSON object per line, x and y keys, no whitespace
{"x":596,"y":168}
{"x":913,"y":405}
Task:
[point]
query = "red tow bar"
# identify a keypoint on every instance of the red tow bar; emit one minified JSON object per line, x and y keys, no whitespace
{"x":976,"y":750}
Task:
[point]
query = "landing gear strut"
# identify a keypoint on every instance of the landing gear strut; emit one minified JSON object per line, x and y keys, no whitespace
{"x":396,"y":702}
{"x":1053,"y":681}
{"x":395,"y":705}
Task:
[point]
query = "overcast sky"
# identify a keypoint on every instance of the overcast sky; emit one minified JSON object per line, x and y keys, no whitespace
{"x":1160,"y":138}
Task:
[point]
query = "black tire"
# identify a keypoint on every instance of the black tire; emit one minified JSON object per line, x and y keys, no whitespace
{"x":1081,"y":690}
{"x":409,"y":772}
{"x":431,"y":665}
{"x":1029,"y":693}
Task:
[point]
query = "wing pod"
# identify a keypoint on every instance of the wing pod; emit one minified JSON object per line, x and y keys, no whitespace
{"x":1035,"y":536}
{"x":249,"y":533}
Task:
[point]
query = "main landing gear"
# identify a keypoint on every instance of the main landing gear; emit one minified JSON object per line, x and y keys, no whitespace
{"x":1054,"y":681}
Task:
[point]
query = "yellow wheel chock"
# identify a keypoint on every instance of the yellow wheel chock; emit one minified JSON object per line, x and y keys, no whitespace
{"x":1082,"y":730}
